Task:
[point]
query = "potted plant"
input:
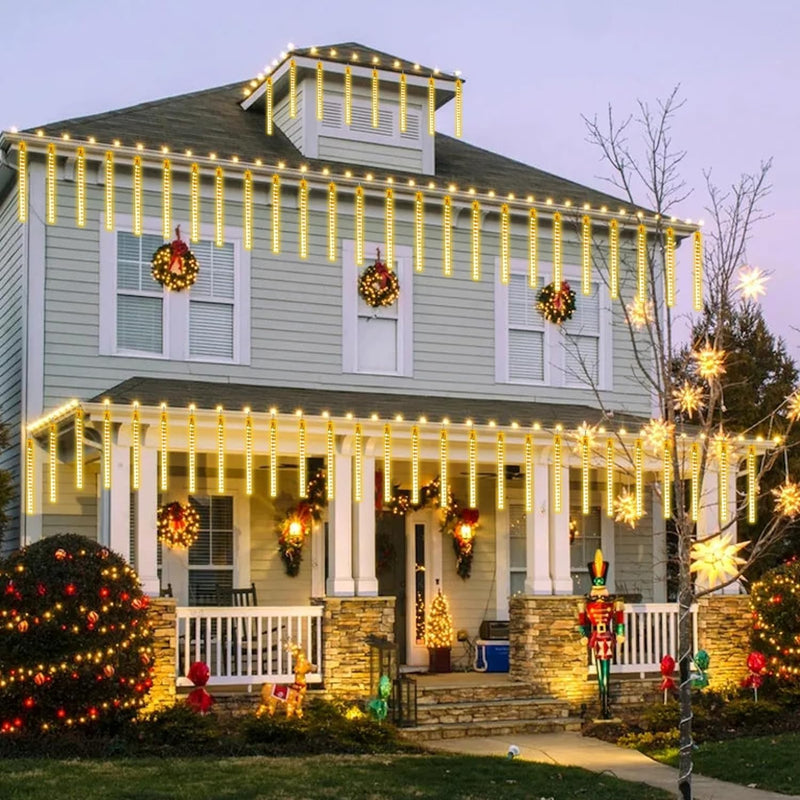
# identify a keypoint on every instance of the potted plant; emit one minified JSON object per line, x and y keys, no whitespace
{"x":439,"y":634}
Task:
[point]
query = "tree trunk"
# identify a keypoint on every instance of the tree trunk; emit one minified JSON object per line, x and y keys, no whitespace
{"x":685,"y":645}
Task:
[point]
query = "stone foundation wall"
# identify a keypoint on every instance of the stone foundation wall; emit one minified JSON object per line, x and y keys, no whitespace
{"x":161,"y":613}
{"x":724,"y":624}
{"x":347,"y":622}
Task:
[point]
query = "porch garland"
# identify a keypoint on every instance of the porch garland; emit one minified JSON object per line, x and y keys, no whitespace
{"x":295,"y":527}
{"x":556,"y":303}
{"x":378,"y":285}
{"x":178,"y":525}
{"x":174,"y":265}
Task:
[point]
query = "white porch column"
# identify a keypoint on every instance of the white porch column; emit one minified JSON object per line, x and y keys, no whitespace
{"x":559,"y":540}
{"x":708,"y":517}
{"x":115,"y":504}
{"x":366,"y":582}
{"x":146,"y":508}
{"x":537,"y":535}
{"x":340,"y":531}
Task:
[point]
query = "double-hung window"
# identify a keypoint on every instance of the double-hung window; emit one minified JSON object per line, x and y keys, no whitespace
{"x":211,"y":556}
{"x":582,"y":340}
{"x":211,"y":303}
{"x":526,"y":332}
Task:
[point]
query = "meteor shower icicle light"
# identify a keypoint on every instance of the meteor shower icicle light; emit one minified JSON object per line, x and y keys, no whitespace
{"x":528,"y":474}
{"x":192,"y":477}
{"x":501,"y":471}
{"x":358,"y":464}
{"x":268,"y":108}
{"x":272,"y":446}
{"x":247,"y":209}
{"x":220,"y":451}
{"x":459,"y":109}
{"x":348,"y":96}
{"x":30,"y":470}
{"x":533,"y":248}
{"x":387,"y":463}
{"x":332,"y":221}
{"x":359,"y":223}
{"x":443,"y":476}
{"x":697,"y":270}
{"x":641,"y":264}
{"x":723,"y":482}
{"x":137,"y":196}
{"x":136,"y":447}
{"x":585,"y":475}
{"x":505,"y":244}
{"x":248,"y":453}
{"x":80,"y":188}
{"x":162,"y":447}
{"x":50,"y":210}
{"x":79,"y":448}
{"x":375,"y":99}
{"x":558,"y":253}
{"x":52,"y":461}
{"x":194,"y":204}
{"x":302,"y":213}
{"x":22,"y":182}
{"x":320,"y":90}
{"x":752,"y":486}
{"x":558,"y":474}
{"x":666,"y":487}
{"x":475,"y":241}
{"x":669,"y":268}
{"x":108,"y":194}
{"x":219,"y":207}
{"x":107,"y":444}
{"x":276,"y":214}
{"x":447,"y":236}
{"x":431,"y":107}
{"x":419,"y":232}
{"x":638,"y":476}
{"x":613,"y":259}
{"x":302,"y":462}
{"x":403,"y":104}
{"x":586,"y":255}
{"x":472,"y":468}
{"x":609,"y":477}
{"x":166,"y":199}
{"x":694,"y":468}
{"x":292,"y":89}
{"x":414,"y":465}
{"x":389,"y":228}
{"x":330,"y":460}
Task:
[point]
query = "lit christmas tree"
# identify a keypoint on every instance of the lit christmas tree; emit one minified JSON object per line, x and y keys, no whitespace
{"x":775,"y":602}
{"x":439,"y":625}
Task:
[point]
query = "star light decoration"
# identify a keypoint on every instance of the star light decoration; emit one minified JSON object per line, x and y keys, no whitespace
{"x":587,"y":430}
{"x":717,"y":559}
{"x":752,"y":283}
{"x":718,"y":442}
{"x":657,"y":433}
{"x":688,"y":399}
{"x":710,"y":362}
{"x":787,"y":499}
{"x":640,"y":312}
{"x":625,"y":508}
{"x":793,"y":406}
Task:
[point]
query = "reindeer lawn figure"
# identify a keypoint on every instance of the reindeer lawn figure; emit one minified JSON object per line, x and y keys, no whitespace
{"x":290,"y":694}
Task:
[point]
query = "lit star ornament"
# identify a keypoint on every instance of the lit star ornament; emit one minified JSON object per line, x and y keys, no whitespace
{"x":793,"y":406}
{"x":752,"y":283}
{"x":787,"y":499}
{"x":640,"y":312}
{"x":585,"y":430}
{"x":710,"y":362}
{"x":689,"y":399}
{"x":657,"y":432}
{"x":625,"y":508}
{"x":717,"y":559}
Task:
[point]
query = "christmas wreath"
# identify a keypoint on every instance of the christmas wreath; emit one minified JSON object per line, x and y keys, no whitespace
{"x":178,"y":525}
{"x":174,"y":264}
{"x":556,"y":304}
{"x":295,"y":527}
{"x":378,"y":285}
{"x":463,"y":540}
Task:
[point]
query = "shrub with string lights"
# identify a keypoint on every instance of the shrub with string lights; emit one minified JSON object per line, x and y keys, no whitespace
{"x":775,"y":602}
{"x":75,"y":645}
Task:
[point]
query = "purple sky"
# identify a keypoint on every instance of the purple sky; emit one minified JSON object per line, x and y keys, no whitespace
{"x":532,"y":68}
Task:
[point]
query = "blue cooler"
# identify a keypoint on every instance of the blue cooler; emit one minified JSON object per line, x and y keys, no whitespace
{"x":491,"y":655}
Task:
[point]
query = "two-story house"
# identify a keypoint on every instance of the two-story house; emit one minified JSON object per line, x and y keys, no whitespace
{"x":230,"y":394}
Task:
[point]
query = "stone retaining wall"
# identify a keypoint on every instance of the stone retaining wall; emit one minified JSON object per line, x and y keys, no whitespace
{"x":724,"y":625}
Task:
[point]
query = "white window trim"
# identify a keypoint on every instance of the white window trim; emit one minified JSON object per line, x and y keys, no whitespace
{"x":175,"y":305}
{"x":555,"y":349}
{"x":405,"y":311}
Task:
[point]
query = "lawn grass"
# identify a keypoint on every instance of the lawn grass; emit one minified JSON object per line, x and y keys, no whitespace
{"x":767,"y":762}
{"x":421,"y":777}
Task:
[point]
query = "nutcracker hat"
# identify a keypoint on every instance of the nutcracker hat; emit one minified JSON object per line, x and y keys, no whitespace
{"x":598,"y":569}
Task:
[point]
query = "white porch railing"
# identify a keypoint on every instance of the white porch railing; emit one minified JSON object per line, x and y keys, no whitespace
{"x":246,"y":646}
{"x":651,"y":632}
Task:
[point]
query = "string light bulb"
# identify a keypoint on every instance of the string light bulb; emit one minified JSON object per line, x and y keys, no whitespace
{"x":275,"y":193}
{"x":459,"y":109}
{"x":52,"y":461}
{"x":106,"y":455}
{"x":163,"y":434}
{"x":50,"y":181}
{"x":419,"y":232}
{"x":375,"y":99}
{"x":505,"y":245}
{"x":220,"y":450}
{"x":558,"y":474}
{"x":219,"y":207}
{"x":610,"y":459}
{"x":194,"y":203}
{"x":330,"y":461}
{"x":752,"y":486}
{"x":22,"y":182}
{"x":302,"y":213}
{"x":697,"y":271}
{"x":192,"y":435}
{"x":501,"y":471}
{"x":166,"y":199}
{"x":108,"y":190}
{"x":80,"y":187}
{"x":269,"y":121}
{"x":669,"y":268}
{"x":558,"y":251}
{"x":447,"y":236}
{"x":431,"y":107}
{"x":443,"y":476}
{"x":359,"y":225}
{"x":475,"y":241}
{"x":137,"y":196}
{"x":272,"y":446}
{"x":387,"y":463}
{"x":533,"y":248}
{"x":415,"y":465}
{"x":302,"y":460}
{"x":389,"y":228}
{"x":358,"y":463}
{"x":641,"y":264}
{"x":136,"y":447}
{"x":248,"y":454}
{"x":586,"y":255}
{"x":638,"y":476}
{"x":613,"y":259}
{"x":79,"y":430}
{"x":332,"y":222}
{"x":247,"y":210}
{"x":528,"y":456}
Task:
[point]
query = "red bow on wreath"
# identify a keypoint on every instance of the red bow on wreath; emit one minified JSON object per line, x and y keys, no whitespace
{"x":470,"y":516}
{"x":561,"y":296}
{"x":178,"y":250}
{"x":381,"y":271}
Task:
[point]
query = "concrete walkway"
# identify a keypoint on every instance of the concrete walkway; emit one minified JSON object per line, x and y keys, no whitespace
{"x":574,"y":750}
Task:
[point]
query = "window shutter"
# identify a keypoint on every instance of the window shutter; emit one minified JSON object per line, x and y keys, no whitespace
{"x":522,"y":311}
{"x":139,"y":324}
{"x":412,"y":126}
{"x":526,"y":355}
{"x":583,"y":356}
{"x":362,"y":121}
{"x":586,"y":319}
{"x":332,"y":114}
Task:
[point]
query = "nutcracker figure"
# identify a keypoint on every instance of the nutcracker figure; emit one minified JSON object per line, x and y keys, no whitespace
{"x":600,"y":620}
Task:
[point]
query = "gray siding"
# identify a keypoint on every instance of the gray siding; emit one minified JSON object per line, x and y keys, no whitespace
{"x":291,"y":127}
{"x":350,"y":151}
{"x":11,"y":333}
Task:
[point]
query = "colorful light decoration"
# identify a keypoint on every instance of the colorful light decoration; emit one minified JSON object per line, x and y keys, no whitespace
{"x":716,"y":559}
{"x":403,"y":104}
{"x":586,"y":255}
{"x":272,"y":446}
{"x":610,"y":458}
{"x":302,"y":460}
{"x":166,"y":199}
{"x":533,"y":248}
{"x":475,"y":241}
{"x":558,"y":250}
{"x":669,"y":268}
{"x":443,"y":472}
{"x":625,"y":509}
{"x":275,"y":193}
{"x":688,"y":399}
{"x":108,"y":193}
{"x":359,"y":225}
{"x":387,"y":463}
{"x":332,"y":222}
{"x":472,"y":468}
{"x":50,"y":181}
{"x":247,"y":210}
{"x":302,"y":213}
{"x":389,"y":228}
{"x":585,"y":488}
{"x":505,"y":245}
{"x":106,"y":455}
{"x":22,"y":182}
{"x":219,"y":207}
{"x":666,"y":481}
{"x":710,"y":363}
{"x":376,"y":118}
{"x":501,"y":471}
{"x":136,"y":447}
{"x":220,"y":450}
{"x":558,"y":476}
{"x":414,"y":465}
{"x":641,"y":264}
{"x":752,"y":283}
{"x":431,"y":107}
{"x":358,"y":463}
{"x":752,"y":485}
{"x":459,"y":109}
{"x":192,"y":458}
{"x":613,"y":259}
{"x":269,"y":113}
{"x":30,"y":470}
{"x":787,"y":499}
{"x":80,"y":187}
{"x":194,"y":204}
{"x":348,"y":96}
{"x":330,"y":460}
{"x":697,"y":270}
{"x":320,"y":90}
{"x":638,"y":476}
{"x":248,"y":453}
{"x":419,"y":232}
{"x":694,"y":481}
{"x":52,"y":461}
{"x":529,"y":488}
{"x":163,"y":448}
{"x":78,"y":430}
{"x":447,"y":236}
{"x":292,"y":89}
{"x":137,"y":196}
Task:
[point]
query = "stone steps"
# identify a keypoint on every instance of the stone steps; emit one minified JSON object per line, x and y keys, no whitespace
{"x":429,"y":733}
{"x":495,"y":711}
{"x":455,"y":693}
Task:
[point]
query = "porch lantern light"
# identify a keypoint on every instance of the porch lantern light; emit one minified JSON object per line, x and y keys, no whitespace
{"x":447,"y":236}
{"x":641,"y":264}
{"x":108,"y":193}
{"x":194,"y":204}
{"x":533,"y":248}
{"x":247,"y":210}
{"x":697,"y":270}
{"x":586,"y":255}
{"x":50,"y":206}
{"x":22,"y":182}
{"x":558,"y":252}
{"x":80,"y":187}
{"x":669,"y":268}
{"x":137,"y":196}
{"x":613,"y":259}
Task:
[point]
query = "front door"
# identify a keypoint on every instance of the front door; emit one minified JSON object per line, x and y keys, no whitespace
{"x":390,"y":567}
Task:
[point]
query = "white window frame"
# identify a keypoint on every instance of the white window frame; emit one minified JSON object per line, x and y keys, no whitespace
{"x":175,"y":305}
{"x":555,"y":348}
{"x":350,"y":313}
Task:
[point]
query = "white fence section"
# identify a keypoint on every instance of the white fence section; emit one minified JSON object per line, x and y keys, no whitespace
{"x":651,"y":632}
{"x":249,"y":645}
